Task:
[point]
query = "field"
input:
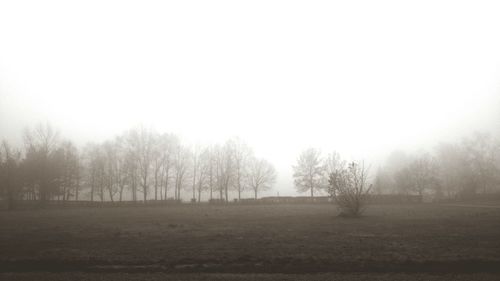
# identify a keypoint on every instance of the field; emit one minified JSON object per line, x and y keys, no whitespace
{"x":261,"y":242}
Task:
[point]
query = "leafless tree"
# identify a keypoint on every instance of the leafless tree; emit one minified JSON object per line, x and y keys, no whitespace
{"x":242,"y":155}
{"x":482,"y":154}
{"x":455,"y":172}
{"x":349,"y":188}
{"x":168,"y":144}
{"x":262,"y":175}
{"x":141,"y":143}
{"x":40,"y":143}
{"x":181,"y":166}
{"x":309,"y":173}
{"x":224,"y":160}
{"x":203,"y":169}
{"x":70,"y":170}
{"x":10,"y":174}
{"x":419,"y":176}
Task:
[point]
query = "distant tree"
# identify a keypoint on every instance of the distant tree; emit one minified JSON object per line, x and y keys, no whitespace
{"x":141,"y":141}
{"x":211,"y":170}
{"x":349,"y":189}
{"x":41,"y":142}
{"x":111,"y":162}
{"x":262,"y":175}
{"x":157,"y":164}
{"x":70,"y":170}
{"x":242,"y":155}
{"x":455,"y":171}
{"x":482,"y":154}
{"x":332,"y":163}
{"x":121,"y":166}
{"x":168,"y":144}
{"x":224,"y":169}
{"x":181,"y":166}
{"x":309,"y":173}
{"x":10,"y":174}
{"x":419,"y":176}
{"x":203,"y":170}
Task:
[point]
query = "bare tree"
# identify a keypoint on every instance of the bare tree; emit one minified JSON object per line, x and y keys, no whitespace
{"x":419,"y":176}
{"x":455,"y":172}
{"x":482,"y":154}
{"x":309,"y":173}
{"x":242,"y":155}
{"x":111,"y":162}
{"x":181,"y":165}
{"x":224,"y":169}
{"x":141,"y":143}
{"x":10,"y":174}
{"x":157,"y":163}
{"x":203,"y":169}
{"x":168,"y":143}
{"x":349,"y":188}
{"x":262,"y":175}
{"x":40,"y":144}
{"x":211,"y":170}
{"x":70,"y":170}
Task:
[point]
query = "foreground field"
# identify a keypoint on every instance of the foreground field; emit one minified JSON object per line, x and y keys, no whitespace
{"x":266,"y":242}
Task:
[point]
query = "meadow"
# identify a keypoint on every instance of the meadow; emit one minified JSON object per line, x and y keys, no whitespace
{"x":251,"y":242}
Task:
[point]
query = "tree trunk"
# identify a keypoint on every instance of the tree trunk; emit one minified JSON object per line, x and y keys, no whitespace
{"x":239,"y":191}
{"x":77,"y":188}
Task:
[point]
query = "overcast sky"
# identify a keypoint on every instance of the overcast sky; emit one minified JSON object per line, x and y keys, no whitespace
{"x":359,"y":77}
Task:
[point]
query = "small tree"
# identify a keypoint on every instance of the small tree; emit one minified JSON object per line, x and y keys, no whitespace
{"x":349,"y":189}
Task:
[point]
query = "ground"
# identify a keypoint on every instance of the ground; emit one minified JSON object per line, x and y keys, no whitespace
{"x":261,"y":242}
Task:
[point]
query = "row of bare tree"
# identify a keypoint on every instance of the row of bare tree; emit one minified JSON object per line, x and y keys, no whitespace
{"x":453,"y":170}
{"x":139,"y":164}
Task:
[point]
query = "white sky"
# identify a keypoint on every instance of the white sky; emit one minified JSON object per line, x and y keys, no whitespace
{"x":360,"y":77}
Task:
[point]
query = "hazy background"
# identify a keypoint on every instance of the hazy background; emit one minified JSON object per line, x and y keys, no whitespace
{"x":359,"y":77}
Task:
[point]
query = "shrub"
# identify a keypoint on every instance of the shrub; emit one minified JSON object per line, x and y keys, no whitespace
{"x":349,"y":189}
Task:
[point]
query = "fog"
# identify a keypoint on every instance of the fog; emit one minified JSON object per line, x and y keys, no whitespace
{"x":360,"y":78}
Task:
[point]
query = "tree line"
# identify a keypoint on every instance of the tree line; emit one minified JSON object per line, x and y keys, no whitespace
{"x":450,"y":171}
{"x":138,"y":165}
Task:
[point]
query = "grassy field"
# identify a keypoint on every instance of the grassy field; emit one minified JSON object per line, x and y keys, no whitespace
{"x":263,"y":242}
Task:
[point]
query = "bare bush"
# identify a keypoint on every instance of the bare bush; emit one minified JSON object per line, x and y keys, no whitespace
{"x":349,"y":189}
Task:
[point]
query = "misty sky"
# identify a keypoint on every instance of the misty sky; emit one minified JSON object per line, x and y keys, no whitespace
{"x":360,"y":77}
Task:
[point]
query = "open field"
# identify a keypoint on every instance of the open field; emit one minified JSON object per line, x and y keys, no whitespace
{"x":265,"y":242}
